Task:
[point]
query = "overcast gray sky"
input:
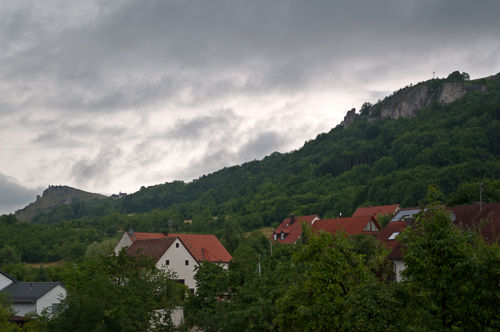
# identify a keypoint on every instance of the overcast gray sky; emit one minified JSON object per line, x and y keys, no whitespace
{"x":109,"y":96}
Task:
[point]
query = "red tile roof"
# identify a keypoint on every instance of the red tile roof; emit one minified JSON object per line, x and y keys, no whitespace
{"x":137,"y":236}
{"x":375,"y":210}
{"x":154,"y":248}
{"x":293,"y":229}
{"x":352,"y":225}
{"x":487,"y":221}
{"x":205,"y":247}
{"x":393,"y":245}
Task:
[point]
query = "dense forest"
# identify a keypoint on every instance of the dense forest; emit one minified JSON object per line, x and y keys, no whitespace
{"x":373,"y":161}
{"x":323,"y":283}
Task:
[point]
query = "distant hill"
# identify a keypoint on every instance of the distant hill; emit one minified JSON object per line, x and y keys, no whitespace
{"x":52,"y":197}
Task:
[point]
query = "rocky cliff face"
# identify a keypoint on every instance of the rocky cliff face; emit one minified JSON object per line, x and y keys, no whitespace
{"x":407,"y":102}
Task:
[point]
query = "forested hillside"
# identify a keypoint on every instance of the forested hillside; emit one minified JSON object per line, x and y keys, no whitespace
{"x":370,"y":162}
{"x":374,"y":160}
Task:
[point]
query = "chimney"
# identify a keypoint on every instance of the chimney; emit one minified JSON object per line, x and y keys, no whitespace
{"x":292,"y":219}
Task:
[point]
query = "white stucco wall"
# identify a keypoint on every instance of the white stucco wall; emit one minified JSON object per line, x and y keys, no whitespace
{"x":4,"y":281}
{"x":55,"y":295}
{"x":177,"y":258}
{"x":23,"y":309}
{"x":399,"y":266}
{"x":125,"y":241}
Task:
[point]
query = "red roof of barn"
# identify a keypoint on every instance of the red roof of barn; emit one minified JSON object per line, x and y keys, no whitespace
{"x":487,"y":221}
{"x":154,"y":248}
{"x":352,"y":225}
{"x":375,"y":210}
{"x":294,"y":230}
{"x":394,"y":245}
{"x":205,"y":247}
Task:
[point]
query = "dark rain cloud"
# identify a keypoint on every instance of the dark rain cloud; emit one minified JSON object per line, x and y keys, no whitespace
{"x":134,"y":53}
{"x":206,"y":125}
{"x":262,"y":145}
{"x":91,"y":75}
{"x":97,"y":169}
{"x":14,"y":196}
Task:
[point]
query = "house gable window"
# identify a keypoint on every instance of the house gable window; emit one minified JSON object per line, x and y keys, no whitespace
{"x":177,"y":245}
{"x":186,"y":262}
{"x":167,"y":262}
{"x":370,"y":226}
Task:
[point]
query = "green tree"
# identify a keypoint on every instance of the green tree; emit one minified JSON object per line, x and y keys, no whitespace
{"x":317,"y":300}
{"x":452,"y":277}
{"x":9,"y":255}
{"x":243,"y":297}
{"x":101,"y":248}
{"x":116,"y":293}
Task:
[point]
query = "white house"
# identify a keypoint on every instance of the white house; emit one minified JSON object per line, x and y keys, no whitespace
{"x":170,"y":255}
{"x":181,"y":253}
{"x":30,"y":297}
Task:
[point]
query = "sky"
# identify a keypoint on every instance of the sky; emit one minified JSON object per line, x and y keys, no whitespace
{"x":108,"y":96}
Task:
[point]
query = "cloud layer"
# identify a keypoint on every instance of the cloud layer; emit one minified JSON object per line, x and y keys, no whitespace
{"x":13,"y":195}
{"x":112,"y":96}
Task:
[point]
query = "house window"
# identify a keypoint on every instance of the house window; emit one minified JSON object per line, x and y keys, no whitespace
{"x":282,"y":236}
{"x":186,"y":262}
{"x":393,"y":235}
{"x":167,"y":262}
{"x":177,"y":245}
{"x":275,"y":236}
{"x":370,"y":227}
